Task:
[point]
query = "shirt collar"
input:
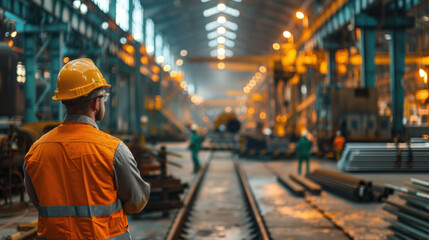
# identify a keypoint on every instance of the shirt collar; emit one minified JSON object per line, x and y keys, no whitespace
{"x":80,"y":119}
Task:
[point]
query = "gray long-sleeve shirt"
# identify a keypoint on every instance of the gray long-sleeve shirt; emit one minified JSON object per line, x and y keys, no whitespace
{"x":133,"y":191}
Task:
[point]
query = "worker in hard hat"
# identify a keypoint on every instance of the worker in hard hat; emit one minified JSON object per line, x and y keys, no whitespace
{"x":195,"y":146}
{"x":303,"y":148}
{"x":82,"y":180}
{"x":339,"y":142}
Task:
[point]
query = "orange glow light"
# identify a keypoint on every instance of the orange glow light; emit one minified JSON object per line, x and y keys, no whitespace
{"x":66,"y":59}
{"x":144,"y":60}
{"x":300,"y":15}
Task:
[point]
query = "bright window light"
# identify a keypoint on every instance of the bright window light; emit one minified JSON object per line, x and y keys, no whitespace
{"x":228,"y":43}
{"x":211,"y":11}
{"x":166,"y":53}
{"x":103,"y":5}
{"x":231,"y":11}
{"x":231,"y":25}
{"x":137,"y":21}
{"x":228,"y":53}
{"x":76,"y":4}
{"x":212,"y":25}
{"x":221,"y":51}
{"x":158,"y":45}
{"x":213,"y":35}
{"x":213,"y":43}
{"x":221,"y":8}
{"x":122,"y":17}
{"x":150,"y":36}
{"x":230,"y":35}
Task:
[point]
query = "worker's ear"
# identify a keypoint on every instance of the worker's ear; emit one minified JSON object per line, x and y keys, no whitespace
{"x":95,"y":104}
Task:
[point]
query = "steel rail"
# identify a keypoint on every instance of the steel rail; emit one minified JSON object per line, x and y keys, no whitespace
{"x":29,"y":235}
{"x":180,"y":218}
{"x":264,"y":234}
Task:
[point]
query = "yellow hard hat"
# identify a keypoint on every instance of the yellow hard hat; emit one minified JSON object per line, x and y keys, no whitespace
{"x":78,"y":78}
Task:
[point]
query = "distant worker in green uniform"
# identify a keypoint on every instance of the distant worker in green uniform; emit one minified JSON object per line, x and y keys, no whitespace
{"x":303,"y":148}
{"x":195,"y":146}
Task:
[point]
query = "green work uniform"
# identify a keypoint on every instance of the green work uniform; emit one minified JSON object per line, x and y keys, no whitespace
{"x":195,"y":146}
{"x":303,"y":148}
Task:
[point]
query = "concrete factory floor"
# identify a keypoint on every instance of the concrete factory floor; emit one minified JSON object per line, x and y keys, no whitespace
{"x":287,"y":217}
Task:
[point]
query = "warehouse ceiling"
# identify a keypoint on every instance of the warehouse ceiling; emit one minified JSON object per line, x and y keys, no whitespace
{"x":251,"y":27}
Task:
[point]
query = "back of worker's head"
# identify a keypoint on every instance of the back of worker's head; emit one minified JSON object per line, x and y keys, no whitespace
{"x":338,"y":133}
{"x":79,"y":82}
{"x":194,"y":127}
{"x":303,"y":133}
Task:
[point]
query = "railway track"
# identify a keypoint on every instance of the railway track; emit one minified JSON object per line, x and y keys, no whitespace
{"x":213,"y":207}
{"x":20,"y":227}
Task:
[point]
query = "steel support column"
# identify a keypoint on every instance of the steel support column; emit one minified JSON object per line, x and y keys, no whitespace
{"x":367,"y":49}
{"x":137,"y":93}
{"x":157,"y":92}
{"x":112,"y":75}
{"x":30,"y":82}
{"x":56,"y":110}
{"x":130,"y":99}
{"x":397,"y":67}
{"x":332,"y":66}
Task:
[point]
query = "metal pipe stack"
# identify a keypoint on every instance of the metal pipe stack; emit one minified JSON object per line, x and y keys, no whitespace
{"x":385,"y":157}
{"x":412,"y":214}
{"x":356,"y":189}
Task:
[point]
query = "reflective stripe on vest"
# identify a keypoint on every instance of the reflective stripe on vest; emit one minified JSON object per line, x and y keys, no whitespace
{"x":80,"y":211}
{"x":124,"y":236}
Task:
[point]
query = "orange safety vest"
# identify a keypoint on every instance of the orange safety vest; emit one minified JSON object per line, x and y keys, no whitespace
{"x":71,"y":169}
{"x":339,"y":142}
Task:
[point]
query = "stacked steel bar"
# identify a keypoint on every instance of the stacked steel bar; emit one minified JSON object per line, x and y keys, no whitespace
{"x":412,"y":214}
{"x":386,"y":157}
{"x":356,"y":189}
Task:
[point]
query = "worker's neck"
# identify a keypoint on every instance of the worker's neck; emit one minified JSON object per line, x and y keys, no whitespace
{"x":88,"y":114}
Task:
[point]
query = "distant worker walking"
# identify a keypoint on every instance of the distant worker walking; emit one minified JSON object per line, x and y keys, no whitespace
{"x":339,"y":142}
{"x":82,"y":180}
{"x":303,"y":148}
{"x":195,"y":146}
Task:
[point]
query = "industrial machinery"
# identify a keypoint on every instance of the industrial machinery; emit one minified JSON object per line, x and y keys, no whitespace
{"x":226,"y":126}
{"x":11,"y":91}
{"x":353,"y":111}
{"x":227,"y":122}
{"x":13,"y":148}
{"x":165,"y":189}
